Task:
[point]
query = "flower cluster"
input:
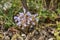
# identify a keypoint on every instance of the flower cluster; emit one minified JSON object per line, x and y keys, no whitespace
{"x":25,"y":19}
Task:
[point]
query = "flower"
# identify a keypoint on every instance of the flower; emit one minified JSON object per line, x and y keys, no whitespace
{"x":28,"y":13}
{"x":25,"y":19}
{"x":18,"y":19}
{"x":15,"y":17}
{"x":33,"y":23}
{"x":30,"y":19}
{"x":21,"y":14}
{"x":19,"y":23}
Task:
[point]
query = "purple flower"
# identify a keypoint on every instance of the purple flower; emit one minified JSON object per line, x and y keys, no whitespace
{"x":15,"y":17}
{"x":21,"y":14}
{"x":25,"y":19}
{"x":33,"y":23}
{"x":30,"y":19}
{"x":28,"y":13}
{"x":19,"y":23}
{"x":18,"y":18}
